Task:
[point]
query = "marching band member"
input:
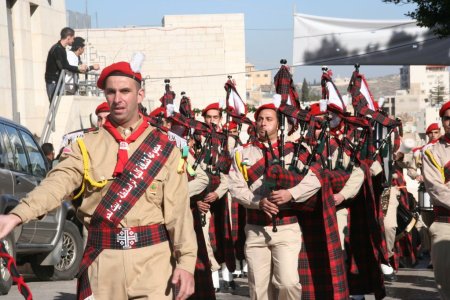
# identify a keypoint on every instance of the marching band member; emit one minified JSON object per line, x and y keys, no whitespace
{"x":436,"y":167}
{"x":272,"y":257}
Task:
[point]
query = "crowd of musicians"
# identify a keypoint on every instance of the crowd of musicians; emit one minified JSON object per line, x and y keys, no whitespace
{"x":311,"y":205}
{"x":325,"y":215}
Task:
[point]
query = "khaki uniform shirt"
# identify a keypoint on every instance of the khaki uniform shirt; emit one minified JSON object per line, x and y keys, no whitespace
{"x":165,"y":200}
{"x":250,"y":197}
{"x":433,"y":178}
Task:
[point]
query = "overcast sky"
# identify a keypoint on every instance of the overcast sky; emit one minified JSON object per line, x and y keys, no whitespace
{"x":268,"y":23}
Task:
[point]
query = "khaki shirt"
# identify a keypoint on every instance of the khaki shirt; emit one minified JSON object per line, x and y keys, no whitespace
{"x":434,"y":181}
{"x":411,"y":165}
{"x":165,"y":201}
{"x":250,"y":197}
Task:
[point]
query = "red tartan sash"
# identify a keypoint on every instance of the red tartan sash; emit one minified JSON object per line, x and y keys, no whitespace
{"x":441,"y":214}
{"x":260,"y":218}
{"x":258,"y":169}
{"x":139,"y":171}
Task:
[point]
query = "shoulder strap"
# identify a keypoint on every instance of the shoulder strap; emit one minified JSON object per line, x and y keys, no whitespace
{"x":86,"y":176}
{"x":435,"y":163}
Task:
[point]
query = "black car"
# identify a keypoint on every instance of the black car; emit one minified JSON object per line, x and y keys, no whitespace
{"x":53,"y":244}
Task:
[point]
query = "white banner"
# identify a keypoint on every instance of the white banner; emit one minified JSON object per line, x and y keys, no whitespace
{"x":333,"y":41}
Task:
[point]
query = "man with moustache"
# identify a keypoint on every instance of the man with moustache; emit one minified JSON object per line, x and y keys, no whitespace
{"x":141,"y":243}
{"x":436,"y":169}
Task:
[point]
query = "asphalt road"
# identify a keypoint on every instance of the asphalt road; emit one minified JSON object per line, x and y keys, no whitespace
{"x":413,"y":284}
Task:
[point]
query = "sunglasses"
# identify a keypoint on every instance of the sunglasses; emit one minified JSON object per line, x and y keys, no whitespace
{"x":446,"y":118}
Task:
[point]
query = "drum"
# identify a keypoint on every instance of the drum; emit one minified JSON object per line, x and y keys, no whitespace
{"x":424,"y":199}
{"x":405,"y":221}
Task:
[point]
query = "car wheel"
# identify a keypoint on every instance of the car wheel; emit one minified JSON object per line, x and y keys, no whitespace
{"x":71,"y":255}
{"x":5,"y":276}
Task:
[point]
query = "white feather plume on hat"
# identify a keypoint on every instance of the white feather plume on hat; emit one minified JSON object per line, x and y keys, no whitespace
{"x":137,"y":61}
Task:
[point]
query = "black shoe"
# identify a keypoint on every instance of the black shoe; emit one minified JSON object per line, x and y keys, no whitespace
{"x":216,"y":290}
{"x":390,"y":277}
{"x":351,"y":298}
{"x":430,"y":266}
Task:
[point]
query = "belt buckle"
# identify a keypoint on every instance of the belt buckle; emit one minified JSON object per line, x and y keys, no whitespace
{"x":127,"y":238}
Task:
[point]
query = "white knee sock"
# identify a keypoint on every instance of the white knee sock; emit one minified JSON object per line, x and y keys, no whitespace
{"x":215,"y":279}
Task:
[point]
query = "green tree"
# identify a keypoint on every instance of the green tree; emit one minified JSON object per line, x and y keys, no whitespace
{"x":305,"y":91}
{"x":433,"y":14}
{"x":438,"y":94}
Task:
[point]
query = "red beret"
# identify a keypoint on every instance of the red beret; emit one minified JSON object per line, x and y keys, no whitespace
{"x":120,"y":69}
{"x":158,"y":111}
{"x":103,"y":107}
{"x":315,"y":110}
{"x":230,"y":126}
{"x":209,"y":107}
{"x":433,"y":126}
{"x":262,"y":107}
{"x":444,"y":108}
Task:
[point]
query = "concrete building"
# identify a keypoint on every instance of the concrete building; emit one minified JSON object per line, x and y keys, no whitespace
{"x":27,"y":29}
{"x":414,"y":98}
{"x":196,"y":52}
{"x":259,"y":85}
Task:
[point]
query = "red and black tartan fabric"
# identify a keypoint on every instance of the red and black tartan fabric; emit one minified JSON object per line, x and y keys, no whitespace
{"x":302,"y":116}
{"x":105,"y":217}
{"x":186,"y":108}
{"x":168,"y":96}
{"x":204,"y":288}
{"x":284,"y":85}
{"x":321,"y":262}
{"x":220,"y":231}
{"x":11,"y":266}
{"x":224,"y":161}
{"x":366,"y":239}
{"x":360,"y":103}
{"x":403,"y":247}
{"x":258,"y":168}
{"x":238,"y":217}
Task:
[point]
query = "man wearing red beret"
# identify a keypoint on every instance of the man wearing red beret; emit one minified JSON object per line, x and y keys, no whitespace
{"x":436,"y":167}
{"x":135,"y":205}
{"x":272,"y":257}
{"x":102,"y":111}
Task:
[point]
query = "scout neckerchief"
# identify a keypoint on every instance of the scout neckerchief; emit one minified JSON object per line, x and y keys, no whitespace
{"x":122,"y":154}
{"x":124,"y":192}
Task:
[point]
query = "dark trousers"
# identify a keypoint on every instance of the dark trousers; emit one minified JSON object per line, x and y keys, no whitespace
{"x":50,"y":90}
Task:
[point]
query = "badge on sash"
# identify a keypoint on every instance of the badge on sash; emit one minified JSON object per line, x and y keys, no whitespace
{"x":123,"y":146}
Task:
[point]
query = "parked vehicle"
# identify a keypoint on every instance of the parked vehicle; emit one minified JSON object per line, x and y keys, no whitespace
{"x":53,"y":244}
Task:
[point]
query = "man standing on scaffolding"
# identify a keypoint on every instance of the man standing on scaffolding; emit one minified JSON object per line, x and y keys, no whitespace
{"x":57,"y":61}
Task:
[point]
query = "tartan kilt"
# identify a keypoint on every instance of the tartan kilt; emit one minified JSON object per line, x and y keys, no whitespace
{"x":238,"y":218}
{"x":220,"y":233}
{"x":321,"y":262}
{"x":366,"y":233}
{"x":204,"y":288}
